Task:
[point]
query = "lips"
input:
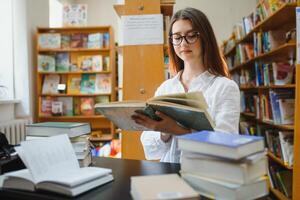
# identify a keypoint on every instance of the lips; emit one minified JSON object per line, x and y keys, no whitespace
{"x":186,"y":51}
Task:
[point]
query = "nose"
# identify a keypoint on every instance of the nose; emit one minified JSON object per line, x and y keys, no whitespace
{"x":184,"y":42}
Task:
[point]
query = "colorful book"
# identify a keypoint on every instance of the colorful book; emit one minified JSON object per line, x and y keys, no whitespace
{"x":49,"y":41}
{"x":100,"y":99}
{"x":87,"y":106}
{"x":46,"y":106}
{"x":283,"y":73}
{"x":106,"y":40}
{"x":46,"y":63}
{"x":76,"y":106}
{"x":95,"y":40}
{"x":87,"y":84}
{"x":67,"y":105}
{"x":90,"y":63}
{"x":57,"y":108}
{"x":50,"y":84}
{"x":103,"y":83}
{"x":74,"y":82}
{"x":62,"y":62}
{"x":106,"y":63}
{"x":224,"y":145}
{"x":65,"y":41}
{"x":76,"y":40}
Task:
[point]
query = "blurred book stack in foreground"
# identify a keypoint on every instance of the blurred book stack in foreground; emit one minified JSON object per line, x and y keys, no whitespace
{"x":77,"y":133}
{"x":223,"y":165}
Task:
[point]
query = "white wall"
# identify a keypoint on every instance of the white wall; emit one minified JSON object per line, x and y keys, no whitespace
{"x":37,"y":16}
{"x":223,"y":14}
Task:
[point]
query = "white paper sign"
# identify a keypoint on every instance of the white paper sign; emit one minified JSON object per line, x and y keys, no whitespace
{"x":298,"y":33}
{"x":142,"y":29}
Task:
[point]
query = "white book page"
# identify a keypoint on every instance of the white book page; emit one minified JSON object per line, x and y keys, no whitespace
{"x":46,"y":157}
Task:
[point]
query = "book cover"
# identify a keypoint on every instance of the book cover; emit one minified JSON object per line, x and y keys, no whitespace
{"x":103,"y":83}
{"x":50,"y":84}
{"x":87,"y":106}
{"x":65,"y":41}
{"x":90,"y":63}
{"x":62,"y":62}
{"x":67,"y":105}
{"x":282,"y":73}
{"x":76,"y":106}
{"x":75,"y":15}
{"x":49,"y":41}
{"x":87,"y":84}
{"x":100,"y":99}
{"x":287,"y":110}
{"x":46,"y":63}
{"x":225,"y":145}
{"x":189,"y":109}
{"x":106,"y":63}
{"x":46,"y":106}
{"x":95,"y":40}
{"x":57,"y":108}
{"x":106,"y":40}
{"x":76,"y":40}
{"x":74,"y":82}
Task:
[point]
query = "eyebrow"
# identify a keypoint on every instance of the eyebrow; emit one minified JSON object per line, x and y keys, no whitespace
{"x":192,"y":30}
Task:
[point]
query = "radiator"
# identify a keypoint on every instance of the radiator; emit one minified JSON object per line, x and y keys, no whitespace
{"x":14,"y":130}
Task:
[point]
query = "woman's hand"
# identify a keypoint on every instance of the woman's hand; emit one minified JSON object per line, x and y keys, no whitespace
{"x":165,"y":125}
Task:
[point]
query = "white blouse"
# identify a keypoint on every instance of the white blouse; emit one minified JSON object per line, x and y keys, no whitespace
{"x":223,"y":98}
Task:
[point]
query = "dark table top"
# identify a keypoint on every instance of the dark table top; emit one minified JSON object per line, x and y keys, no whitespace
{"x":118,"y":189}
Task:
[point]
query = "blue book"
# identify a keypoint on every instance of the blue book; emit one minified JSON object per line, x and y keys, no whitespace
{"x":224,"y":145}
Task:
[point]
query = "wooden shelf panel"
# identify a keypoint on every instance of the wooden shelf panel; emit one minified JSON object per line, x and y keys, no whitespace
{"x":74,"y":50}
{"x":75,"y":95}
{"x":167,"y":9}
{"x":278,"y":194}
{"x":288,"y":86}
{"x":282,"y":53}
{"x":86,"y":72}
{"x":278,"y":160}
{"x":278,"y":126}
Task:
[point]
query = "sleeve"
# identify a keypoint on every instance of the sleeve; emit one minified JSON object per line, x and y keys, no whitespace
{"x":227,"y":112}
{"x":154,"y":147}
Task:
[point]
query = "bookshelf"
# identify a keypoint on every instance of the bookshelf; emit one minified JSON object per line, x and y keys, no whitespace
{"x":142,"y":68}
{"x":256,"y":106}
{"x":81,"y":59}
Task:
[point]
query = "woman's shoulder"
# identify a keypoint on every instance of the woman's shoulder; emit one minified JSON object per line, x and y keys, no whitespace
{"x":223,"y":82}
{"x":167,"y":86}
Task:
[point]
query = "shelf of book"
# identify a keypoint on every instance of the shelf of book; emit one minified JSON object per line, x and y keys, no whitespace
{"x":264,"y":65}
{"x":80,"y":72}
{"x":74,"y":50}
{"x":275,"y":20}
{"x":75,"y":70}
{"x":75,"y":95}
{"x":283,"y":52}
{"x":278,"y":194}
{"x":279,"y":161}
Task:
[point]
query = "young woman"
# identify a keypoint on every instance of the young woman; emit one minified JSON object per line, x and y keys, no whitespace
{"x":195,"y":57}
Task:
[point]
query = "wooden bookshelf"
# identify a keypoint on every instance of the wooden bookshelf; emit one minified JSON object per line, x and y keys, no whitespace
{"x":142,"y":74}
{"x":284,"y":18}
{"x":279,"y":161}
{"x":107,"y":51}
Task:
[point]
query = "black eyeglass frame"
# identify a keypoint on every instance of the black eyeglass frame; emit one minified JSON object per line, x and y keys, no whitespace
{"x":184,"y":37}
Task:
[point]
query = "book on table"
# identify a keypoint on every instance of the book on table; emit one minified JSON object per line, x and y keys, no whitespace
{"x":224,"y":145}
{"x":188,"y":109}
{"x":217,"y":189}
{"x":242,"y":171}
{"x":72,"y":129}
{"x":164,"y":186}
{"x":56,"y":169}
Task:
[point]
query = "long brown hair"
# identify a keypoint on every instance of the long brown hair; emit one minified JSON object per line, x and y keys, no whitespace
{"x":211,"y":55}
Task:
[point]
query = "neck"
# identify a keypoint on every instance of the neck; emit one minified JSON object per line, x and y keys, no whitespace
{"x":192,"y":70}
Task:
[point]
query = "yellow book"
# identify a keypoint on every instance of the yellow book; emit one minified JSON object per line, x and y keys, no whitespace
{"x":74,"y":81}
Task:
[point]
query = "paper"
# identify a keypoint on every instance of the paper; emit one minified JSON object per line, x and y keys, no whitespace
{"x":298,"y":33}
{"x":142,"y":29}
{"x":44,"y":156}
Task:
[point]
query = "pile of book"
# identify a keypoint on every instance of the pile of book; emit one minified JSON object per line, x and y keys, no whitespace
{"x":75,"y":131}
{"x":223,"y":165}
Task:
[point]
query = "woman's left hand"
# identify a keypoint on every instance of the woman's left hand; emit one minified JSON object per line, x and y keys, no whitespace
{"x":165,"y":125}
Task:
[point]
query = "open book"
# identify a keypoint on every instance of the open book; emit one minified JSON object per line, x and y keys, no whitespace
{"x":188,"y":109}
{"x":52,"y":165}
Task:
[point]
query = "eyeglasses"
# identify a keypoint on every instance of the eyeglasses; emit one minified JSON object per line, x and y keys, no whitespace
{"x":190,"y":38}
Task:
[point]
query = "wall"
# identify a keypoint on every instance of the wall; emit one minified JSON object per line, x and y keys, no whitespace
{"x":37,"y":16}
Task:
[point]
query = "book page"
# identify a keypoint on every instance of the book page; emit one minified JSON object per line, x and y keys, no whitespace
{"x":46,"y":157}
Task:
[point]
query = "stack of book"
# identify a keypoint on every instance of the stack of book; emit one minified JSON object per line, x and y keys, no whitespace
{"x":224,"y":166}
{"x":75,"y":131}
